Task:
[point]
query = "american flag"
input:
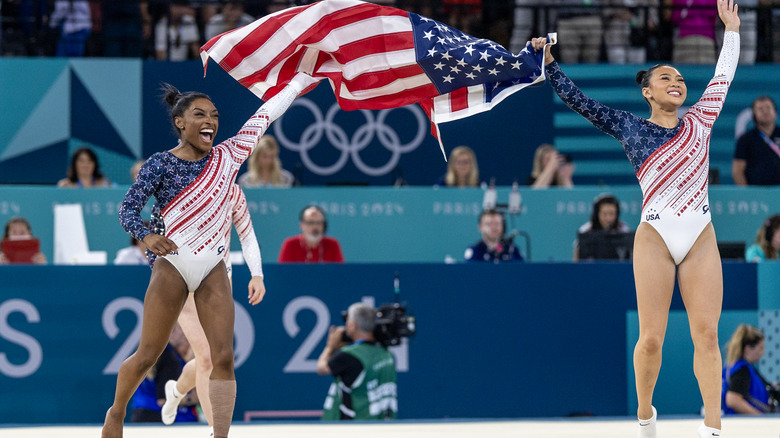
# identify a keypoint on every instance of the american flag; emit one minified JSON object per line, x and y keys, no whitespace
{"x":375,"y":57}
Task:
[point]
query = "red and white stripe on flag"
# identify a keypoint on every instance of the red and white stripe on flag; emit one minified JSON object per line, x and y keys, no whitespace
{"x":365,"y":50}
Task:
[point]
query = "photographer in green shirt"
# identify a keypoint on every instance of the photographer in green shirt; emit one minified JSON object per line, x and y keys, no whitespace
{"x":364,"y":370}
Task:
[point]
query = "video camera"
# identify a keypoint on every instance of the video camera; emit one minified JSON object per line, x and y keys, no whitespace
{"x":392,"y":322}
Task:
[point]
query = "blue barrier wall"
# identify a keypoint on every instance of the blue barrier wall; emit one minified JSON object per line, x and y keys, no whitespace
{"x":413,"y":224}
{"x":528,"y":340}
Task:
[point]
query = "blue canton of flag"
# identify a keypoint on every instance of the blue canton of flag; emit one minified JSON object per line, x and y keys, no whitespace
{"x":453,"y":59}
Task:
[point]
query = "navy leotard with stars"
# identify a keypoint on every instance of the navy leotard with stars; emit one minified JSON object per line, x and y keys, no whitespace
{"x":639,"y":137}
{"x":163,"y":176}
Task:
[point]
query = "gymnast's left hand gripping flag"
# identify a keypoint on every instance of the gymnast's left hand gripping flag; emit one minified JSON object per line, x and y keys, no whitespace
{"x":375,"y":57}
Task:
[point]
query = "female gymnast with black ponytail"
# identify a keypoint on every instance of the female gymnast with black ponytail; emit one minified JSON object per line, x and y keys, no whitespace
{"x":670,"y":156}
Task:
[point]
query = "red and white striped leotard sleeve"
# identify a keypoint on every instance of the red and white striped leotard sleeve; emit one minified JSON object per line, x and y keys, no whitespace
{"x":246,"y":233}
{"x":675,"y":176}
{"x":198,"y":219}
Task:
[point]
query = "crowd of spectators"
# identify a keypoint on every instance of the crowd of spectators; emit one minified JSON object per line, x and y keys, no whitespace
{"x":614,"y":31}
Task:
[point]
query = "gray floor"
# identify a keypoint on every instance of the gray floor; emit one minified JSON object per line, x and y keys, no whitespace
{"x":744,"y":427}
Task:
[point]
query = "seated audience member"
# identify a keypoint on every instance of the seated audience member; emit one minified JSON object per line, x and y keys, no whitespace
{"x":365,"y":381}
{"x":493,"y":247}
{"x":757,"y":156}
{"x":177,"y":39}
{"x":312,"y":245}
{"x":265,"y":168}
{"x":767,"y":246}
{"x":18,"y":244}
{"x":604,"y":218}
{"x":550,"y":168}
{"x":150,"y":395}
{"x":135,"y":254}
{"x":84,"y":171}
{"x":231,"y":17}
{"x":462,"y":169}
{"x":745,"y":390}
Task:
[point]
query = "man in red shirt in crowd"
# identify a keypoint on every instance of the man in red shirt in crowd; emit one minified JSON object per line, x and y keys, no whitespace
{"x":311,"y":246}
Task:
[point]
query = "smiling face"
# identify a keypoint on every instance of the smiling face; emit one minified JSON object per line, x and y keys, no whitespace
{"x":666,"y":89}
{"x":198,"y":125}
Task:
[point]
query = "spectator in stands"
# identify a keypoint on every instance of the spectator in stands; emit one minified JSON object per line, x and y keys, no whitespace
{"x":176,"y":36}
{"x":767,"y":245}
{"x":204,"y":11}
{"x":126,"y":25}
{"x":312,"y":245}
{"x":74,"y":19}
{"x":695,"y":21}
{"x":494,"y":246}
{"x":627,"y":29}
{"x":462,"y":169}
{"x":19,"y":244}
{"x":745,"y":390}
{"x":580,"y":30}
{"x":605,"y":215}
{"x":232,"y":16}
{"x":265,"y":168}
{"x":748,"y":35}
{"x":365,"y":380}
{"x":550,"y":168}
{"x":150,"y":395}
{"x":757,"y":156}
{"x":84,"y":171}
{"x":135,"y":254}
{"x":617,"y":30}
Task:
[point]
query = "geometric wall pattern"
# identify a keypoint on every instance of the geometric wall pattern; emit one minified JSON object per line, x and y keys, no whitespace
{"x":52,"y":107}
{"x":769,"y":324}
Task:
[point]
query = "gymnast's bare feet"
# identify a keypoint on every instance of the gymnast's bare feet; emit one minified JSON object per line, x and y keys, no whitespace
{"x":112,"y":428}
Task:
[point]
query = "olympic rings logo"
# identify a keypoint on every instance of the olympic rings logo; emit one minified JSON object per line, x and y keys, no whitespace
{"x":350,"y":147}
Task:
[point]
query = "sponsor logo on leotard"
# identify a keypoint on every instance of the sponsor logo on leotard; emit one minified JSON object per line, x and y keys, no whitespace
{"x":705,"y":209}
{"x":220,"y":250}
